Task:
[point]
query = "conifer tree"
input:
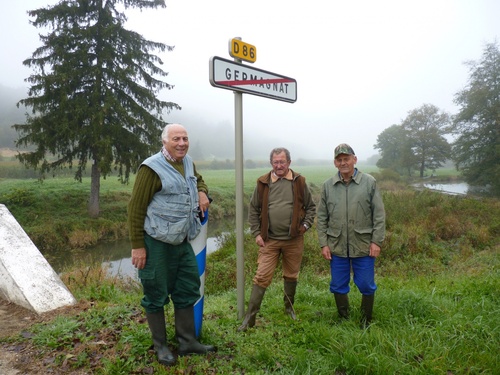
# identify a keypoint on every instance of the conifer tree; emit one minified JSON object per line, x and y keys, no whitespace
{"x":93,"y":92}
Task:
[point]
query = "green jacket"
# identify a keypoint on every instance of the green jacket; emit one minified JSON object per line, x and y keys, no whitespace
{"x":351,"y":216}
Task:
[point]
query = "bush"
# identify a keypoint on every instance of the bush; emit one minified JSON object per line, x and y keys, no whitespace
{"x":20,"y":197}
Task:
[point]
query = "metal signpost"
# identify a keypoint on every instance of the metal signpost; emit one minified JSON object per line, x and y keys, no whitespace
{"x":239,"y":78}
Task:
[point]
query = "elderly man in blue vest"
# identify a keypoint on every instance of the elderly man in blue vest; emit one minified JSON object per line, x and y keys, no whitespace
{"x":167,"y":199}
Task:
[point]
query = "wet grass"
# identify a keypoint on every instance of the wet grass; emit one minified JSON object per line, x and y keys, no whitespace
{"x":437,"y":309}
{"x":444,"y":322}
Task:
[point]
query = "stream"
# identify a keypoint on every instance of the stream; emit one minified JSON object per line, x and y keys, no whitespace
{"x":115,"y":255}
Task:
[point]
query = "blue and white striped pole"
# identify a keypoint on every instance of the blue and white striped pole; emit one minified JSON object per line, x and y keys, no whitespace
{"x":199,"y":245}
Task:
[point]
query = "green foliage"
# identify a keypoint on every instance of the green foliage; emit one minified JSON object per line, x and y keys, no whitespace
{"x":395,"y":150}
{"x":59,"y":333}
{"x":476,"y":150}
{"x":53,"y":212}
{"x":387,"y":175}
{"x":418,"y":143}
{"x":430,"y":323}
{"x":426,"y":127}
{"x":426,"y":231}
{"x":20,"y":197}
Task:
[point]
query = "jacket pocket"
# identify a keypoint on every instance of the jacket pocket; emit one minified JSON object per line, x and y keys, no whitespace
{"x":170,"y":227}
{"x":363,"y":237}
{"x":334,"y":235}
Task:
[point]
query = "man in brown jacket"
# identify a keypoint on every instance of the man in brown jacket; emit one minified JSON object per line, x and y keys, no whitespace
{"x":281,"y":211}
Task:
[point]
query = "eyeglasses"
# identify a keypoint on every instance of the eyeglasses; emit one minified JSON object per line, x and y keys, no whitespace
{"x":279,"y":162}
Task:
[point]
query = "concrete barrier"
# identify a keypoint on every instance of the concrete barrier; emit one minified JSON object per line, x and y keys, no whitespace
{"x":26,"y":278}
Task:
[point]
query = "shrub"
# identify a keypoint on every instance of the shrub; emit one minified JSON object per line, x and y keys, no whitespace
{"x":20,"y":197}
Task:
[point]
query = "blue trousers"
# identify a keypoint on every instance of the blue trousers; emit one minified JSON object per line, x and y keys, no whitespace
{"x":363,"y":269}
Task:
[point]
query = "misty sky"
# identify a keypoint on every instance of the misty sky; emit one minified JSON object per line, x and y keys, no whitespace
{"x":360,"y":66}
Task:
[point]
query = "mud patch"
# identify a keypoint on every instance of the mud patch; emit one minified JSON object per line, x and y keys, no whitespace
{"x":14,"y":318}
{"x":17,"y":359}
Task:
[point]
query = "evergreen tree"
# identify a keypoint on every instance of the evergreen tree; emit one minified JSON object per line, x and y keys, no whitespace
{"x":476,"y":151}
{"x":93,"y":92}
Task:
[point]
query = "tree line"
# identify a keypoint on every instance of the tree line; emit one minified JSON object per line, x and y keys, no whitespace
{"x":420,"y":142}
{"x":93,"y":100}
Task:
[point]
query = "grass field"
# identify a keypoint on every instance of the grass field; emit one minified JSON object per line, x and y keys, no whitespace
{"x":437,"y":307}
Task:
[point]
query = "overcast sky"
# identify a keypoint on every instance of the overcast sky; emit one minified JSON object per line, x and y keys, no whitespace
{"x":360,"y":66}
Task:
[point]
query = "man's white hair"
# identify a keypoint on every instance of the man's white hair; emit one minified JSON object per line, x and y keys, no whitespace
{"x":164,"y":133}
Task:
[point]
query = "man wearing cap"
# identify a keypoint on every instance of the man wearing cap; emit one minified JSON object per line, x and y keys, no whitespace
{"x":351,"y":229}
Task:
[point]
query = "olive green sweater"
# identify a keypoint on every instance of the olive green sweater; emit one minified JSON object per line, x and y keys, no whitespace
{"x":147,"y":184}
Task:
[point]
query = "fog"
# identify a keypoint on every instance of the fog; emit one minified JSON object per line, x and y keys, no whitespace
{"x":360,"y":66}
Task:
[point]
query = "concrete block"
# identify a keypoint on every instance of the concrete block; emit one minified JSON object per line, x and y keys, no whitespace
{"x":26,"y":278}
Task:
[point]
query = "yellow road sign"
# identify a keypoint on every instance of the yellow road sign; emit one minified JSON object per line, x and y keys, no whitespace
{"x":241,"y":50}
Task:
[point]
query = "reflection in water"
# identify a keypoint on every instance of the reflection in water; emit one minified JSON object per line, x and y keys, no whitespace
{"x":458,"y":188}
{"x":116,"y":255}
{"x":121,"y":268}
{"x":63,"y":259}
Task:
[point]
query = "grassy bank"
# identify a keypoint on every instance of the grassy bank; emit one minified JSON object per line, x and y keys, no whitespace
{"x":436,"y":311}
{"x":435,"y":318}
{"x":444,"y":323}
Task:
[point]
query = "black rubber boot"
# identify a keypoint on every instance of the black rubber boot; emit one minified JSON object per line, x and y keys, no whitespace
{"x":156,"y":322}
{"x":342,"y":302}
{"x":253,"y":308}
{"x":186,"y":334}
{"x":289,"y":298}
{"x":366,"y":310}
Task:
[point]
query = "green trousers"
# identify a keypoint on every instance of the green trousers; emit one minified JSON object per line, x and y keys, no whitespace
{"x":171,"y":273}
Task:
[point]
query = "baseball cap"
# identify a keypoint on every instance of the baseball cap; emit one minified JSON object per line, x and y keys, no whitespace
{"x":343,"y":148}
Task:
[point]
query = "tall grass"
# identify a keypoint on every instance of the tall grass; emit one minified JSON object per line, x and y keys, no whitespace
{"x":444,"y":322}
{"x":437,"y":308}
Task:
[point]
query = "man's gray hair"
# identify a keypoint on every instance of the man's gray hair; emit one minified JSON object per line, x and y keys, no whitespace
{"x":279,"y":150}
{"x":164,"y":133}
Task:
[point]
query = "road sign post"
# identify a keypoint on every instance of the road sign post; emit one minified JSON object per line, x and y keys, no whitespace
{"x":240,"y":226}
{"x":233,"y":75}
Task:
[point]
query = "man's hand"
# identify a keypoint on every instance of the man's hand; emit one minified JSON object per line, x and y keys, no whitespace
{"x":327,"y":254}
{"x":374,"y":250}
{"x":139,"y":258}
{"x":259,"y":241}
{"x":204,"y":202}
